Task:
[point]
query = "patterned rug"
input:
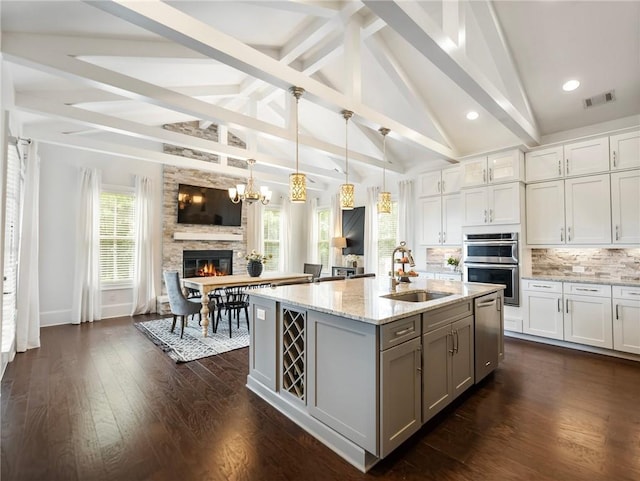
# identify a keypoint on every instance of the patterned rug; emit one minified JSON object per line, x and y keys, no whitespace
{"x":193,"y":346}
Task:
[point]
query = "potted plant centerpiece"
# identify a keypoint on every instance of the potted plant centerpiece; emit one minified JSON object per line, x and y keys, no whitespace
{"x":255,"y":261}
{"x":454,"y":263}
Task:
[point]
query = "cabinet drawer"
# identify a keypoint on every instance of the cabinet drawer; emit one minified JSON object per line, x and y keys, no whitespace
{"x":542,"y":286}
{"x":438,"y":317}
{"x":587,"y":289}
{"x":626,"y":292}
{"x":399,"y":331}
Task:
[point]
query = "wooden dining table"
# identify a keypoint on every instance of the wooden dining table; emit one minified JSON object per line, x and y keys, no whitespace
{"x":205,"y":285}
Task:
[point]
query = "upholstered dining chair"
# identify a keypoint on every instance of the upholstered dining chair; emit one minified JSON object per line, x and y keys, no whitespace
{"x":180,"y":305}
{"x":313,"y":269}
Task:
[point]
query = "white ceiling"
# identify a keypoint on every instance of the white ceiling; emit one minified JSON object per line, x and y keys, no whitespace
{"x":415,"y":67}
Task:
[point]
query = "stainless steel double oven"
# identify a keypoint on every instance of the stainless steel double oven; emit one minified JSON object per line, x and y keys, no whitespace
{"x":493,"y":258}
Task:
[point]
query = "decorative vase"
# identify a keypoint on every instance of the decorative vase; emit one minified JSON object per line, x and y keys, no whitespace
{"x":254,"y":268}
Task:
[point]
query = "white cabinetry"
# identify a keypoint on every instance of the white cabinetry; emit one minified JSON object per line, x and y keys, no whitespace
{"x":445,"y":181}
{"x":587,"y":314}
{"x":625,"y":207}
{"x":496,"y":168}
{"x":542,"y":306}
{"x":440,"y":220}
{"x":626,"y":319}
{"x":497,"y":204}
{"x":544,"y":164}
{"x":625,"y":150}
{"x":587,"y":157}
{"x":572,"y":211}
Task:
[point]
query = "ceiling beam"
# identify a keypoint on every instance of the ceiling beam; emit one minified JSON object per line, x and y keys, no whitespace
{"x":171,"y":23}
{"x":411,"y":22}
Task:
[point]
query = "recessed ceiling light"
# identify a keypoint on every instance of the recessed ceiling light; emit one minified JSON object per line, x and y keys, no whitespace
{"x":472,"y":115}
{"x":570,"y":85}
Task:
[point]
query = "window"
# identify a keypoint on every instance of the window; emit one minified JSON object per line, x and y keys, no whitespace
{"x":272,"y":229}
{"x":117,"y":237}
{"x":387,"y":233}
{"x":322,"y":242}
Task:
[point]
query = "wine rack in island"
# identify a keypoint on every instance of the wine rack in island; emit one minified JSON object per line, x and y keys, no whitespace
{"x":293,"y":353}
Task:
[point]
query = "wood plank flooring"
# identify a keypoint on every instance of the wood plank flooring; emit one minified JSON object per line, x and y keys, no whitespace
{"x":101,"y":402}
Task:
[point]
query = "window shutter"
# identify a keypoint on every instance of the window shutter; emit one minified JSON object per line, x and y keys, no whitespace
{"x":117,"y":237}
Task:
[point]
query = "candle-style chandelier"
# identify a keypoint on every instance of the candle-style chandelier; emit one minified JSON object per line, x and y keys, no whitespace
{"x":248,"y":193}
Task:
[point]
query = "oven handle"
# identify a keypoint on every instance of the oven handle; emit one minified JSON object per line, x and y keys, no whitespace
{"x":491,"y":243}
{"x":493,"y":266}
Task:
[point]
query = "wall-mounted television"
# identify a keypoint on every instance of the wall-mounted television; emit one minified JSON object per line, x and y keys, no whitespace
{"x":353,"y":230}
{"x":207,"y":205}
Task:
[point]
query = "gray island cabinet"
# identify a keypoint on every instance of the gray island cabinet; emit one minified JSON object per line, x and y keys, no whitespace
{"x":361,"y":372}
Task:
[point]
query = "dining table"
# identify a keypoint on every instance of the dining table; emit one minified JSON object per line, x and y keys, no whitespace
{"x":205,"y":285}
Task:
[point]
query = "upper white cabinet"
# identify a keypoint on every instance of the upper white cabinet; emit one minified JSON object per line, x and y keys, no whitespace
{"x":545,"y":164}
{"x":624,"y":150}
{"x":445,"y":181}
{"x":545,"y":213}
{"x":496,"y":168}
{"x":440,"y":220}
{"x":625,"y":207}
{"x":586,"y":157}
{"x":497,"y":204}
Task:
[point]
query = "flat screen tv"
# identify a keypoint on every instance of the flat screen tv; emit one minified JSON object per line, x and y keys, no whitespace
{"x":353,"y":230}
{"x":206,"y":205}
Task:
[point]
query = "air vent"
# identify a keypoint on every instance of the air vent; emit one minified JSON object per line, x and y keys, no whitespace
{"x":600,"y":99}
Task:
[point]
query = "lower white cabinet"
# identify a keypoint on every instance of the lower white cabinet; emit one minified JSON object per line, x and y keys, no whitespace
{"x":626,"y":319}
{"x":587,"y":314}
{"x":542,"y":304}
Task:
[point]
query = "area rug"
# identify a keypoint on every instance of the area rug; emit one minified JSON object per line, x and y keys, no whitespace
{"x":193,"y":346}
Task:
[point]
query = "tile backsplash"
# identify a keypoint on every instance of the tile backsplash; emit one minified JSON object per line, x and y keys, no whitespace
{"x":437,"y":257}
{"x":614,"y":264}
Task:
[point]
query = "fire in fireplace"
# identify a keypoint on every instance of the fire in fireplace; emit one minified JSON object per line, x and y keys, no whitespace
{"x":204,"y":263}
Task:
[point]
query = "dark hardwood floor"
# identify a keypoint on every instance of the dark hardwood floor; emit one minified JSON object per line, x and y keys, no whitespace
{"x":101,"y":402}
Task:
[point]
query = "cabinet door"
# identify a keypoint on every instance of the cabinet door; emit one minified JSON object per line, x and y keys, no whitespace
{"x":262,"y":354}
{"x":462,"y":360}
{"x":625,"y":207}
{"x":625,"y":150}
{"x":452,"y":219}
{"x":488,"y":327}
{"x":429,"y":183}
{"x":451,"y":180}
{"x":543,"y":315}
{"x":545,"y":213}
{"x":474,"y":172}
{"x":474,"y":207}
{"x":545,"y":164}
{"x":430,"y":220}
{"x":504,"y":166}
{"x":588,"y":210}
{"x":626,"y":325}
{"x":437,"y":347}
{"x":504,"y":203}
{"x":401,"y":396}
{"x":587,"y":320}
{"x":587,"y":157}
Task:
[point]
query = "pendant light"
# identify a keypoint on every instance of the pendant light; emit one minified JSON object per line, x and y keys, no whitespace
{"x":297,"y":181}
{"x":346,"y":190}
{"x":384,"y":198}
{"x":248,"y":193}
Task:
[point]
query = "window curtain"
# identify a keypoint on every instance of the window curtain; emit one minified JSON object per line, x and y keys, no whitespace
{"x":255,"y":227}
{"x":28,"y":296}
{"x":405,"y":219}
{"x":371,"y":230}
{"x":312,"y":231}
{"x":86,"y":292}
{"x":336,"y":230}
{"x":144,"y":290}
{"x":286,"y":229}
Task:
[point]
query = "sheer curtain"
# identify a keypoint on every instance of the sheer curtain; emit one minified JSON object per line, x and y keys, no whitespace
{"x":335,"y":230}
{"x":255,"y":230}
{"x":285,"y":236}
{"x":371,"y":230}
{"x":144,"y":291}
{"x":86,"y":292}
{"x":405,"y":219}
{"x":312,"y":231}
{"x":28,"y":297}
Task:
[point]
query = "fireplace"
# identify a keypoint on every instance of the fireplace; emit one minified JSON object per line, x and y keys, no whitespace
{"x":207,"y":263}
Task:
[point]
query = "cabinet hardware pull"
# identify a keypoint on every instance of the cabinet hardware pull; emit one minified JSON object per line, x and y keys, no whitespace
{"x":559,"y":305}
{"x":485,"y":216}
{"x":444,"y":237}
{"x":567,"y":166}
{"x":403,"y":331}
{"x":540,"y":285}
{"x":567,"y":305}
{"x":585,"y":289}
{"x":569,"y":234}
{"x":559,"y":167}
{"x":443,"y":187}
{"x":484,"y":175}
{"x":617,"y":313}
{"x":561,"y":234}
{"x":438,"y":186}
{"x":490,"y":215}
{"x":614,"y":158}
{"x":490,"y":174}
{"x":617,"y":232}
{"x":450,"y":334}
{"x":419,"y":359}
{"x":634,"y":293}
{"x":486,"y":303}
{"x":457,"y":341}
{"x":439,"y":237}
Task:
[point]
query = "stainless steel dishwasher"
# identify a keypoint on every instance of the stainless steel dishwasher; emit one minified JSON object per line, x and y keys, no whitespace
{"x":488,"y":335}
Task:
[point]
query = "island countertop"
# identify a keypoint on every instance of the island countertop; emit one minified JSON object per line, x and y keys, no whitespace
{"x":360,"y":299}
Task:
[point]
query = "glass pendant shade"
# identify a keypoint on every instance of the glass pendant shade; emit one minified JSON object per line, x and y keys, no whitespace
{"x":384,"y":203}
{"x":297,"y":188}
{"x":347,"y":196}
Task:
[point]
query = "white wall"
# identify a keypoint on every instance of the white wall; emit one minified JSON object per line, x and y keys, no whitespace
{"x":59,"y":191}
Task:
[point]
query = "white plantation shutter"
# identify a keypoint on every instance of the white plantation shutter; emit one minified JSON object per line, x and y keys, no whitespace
{"x":117,"y":237}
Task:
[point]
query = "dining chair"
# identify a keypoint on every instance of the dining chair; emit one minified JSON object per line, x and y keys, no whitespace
{"x":330,"y":278}
{"x":313,"y":269}
{"x":358,"y":276}
{"x":235,"y":300}
{"x":180,"y":305}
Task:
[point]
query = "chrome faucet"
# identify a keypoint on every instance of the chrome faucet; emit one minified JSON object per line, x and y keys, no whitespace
{"x":406,"y":253}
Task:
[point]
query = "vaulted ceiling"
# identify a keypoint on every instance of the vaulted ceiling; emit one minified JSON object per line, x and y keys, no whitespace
{"x":106,"y":75}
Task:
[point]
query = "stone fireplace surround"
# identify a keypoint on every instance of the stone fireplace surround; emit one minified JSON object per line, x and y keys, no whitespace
{"x":207,"y":262}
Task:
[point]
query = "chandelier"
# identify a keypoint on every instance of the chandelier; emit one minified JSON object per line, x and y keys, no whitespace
{"x":247,"y":193}
{"x":297,"y":181}
{"x":346,"y":190}
{"x":384,"y":198}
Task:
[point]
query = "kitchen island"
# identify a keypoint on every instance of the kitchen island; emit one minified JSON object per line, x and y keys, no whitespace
{"x":361,"y":367}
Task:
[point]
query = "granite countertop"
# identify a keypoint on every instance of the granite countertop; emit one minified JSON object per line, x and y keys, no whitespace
{"x":586,"y":280}
{"x":359,"y":299}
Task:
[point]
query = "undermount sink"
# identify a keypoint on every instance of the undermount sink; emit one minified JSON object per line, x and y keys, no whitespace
{"x":416,"y":296}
